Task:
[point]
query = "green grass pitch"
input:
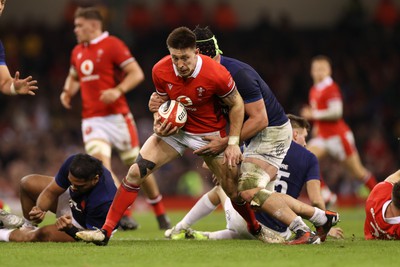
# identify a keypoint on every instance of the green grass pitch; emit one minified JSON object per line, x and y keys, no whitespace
{"x":146,"y":247}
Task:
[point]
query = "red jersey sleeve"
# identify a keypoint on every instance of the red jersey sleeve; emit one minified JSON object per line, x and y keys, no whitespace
{"x":225,"y":82}
{"x":120,"y":55}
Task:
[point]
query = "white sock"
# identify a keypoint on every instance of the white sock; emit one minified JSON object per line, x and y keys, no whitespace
{"x":5,"y":234}
{"x":319,"y":217}
{"x":298,"y":224}
{"x":202,"y":208}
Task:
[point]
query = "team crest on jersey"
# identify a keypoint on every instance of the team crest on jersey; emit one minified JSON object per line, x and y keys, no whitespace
{"x":87,"y":67}
{"x":186,"y":101}
{"x":100,"y":52}
{"x":169,"y":86}
{"x":200,"y":91}
{"x":79,"y":56}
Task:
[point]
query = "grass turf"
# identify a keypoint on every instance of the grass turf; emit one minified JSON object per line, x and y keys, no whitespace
{"x":147,"y":247}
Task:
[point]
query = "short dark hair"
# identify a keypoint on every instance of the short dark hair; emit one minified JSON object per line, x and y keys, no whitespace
{"x":89,"y":13}
{"x":205,"y":41}
{"x":298,"y":122}
{"x":85,"y":167}
{"x":396,"y":195}
{"x":322,"y":58}
{"x":181,"y":38}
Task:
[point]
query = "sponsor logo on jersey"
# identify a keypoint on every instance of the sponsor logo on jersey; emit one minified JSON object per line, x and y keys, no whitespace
{"x":87,"y":68}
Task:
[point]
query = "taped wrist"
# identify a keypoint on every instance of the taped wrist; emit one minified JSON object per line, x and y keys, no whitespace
{"x":13,"y":91}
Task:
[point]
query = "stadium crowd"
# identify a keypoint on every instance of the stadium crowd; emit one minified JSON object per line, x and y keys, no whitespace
{"x":36,"y":133}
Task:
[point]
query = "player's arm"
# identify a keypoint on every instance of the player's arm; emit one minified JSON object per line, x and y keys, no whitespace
{"x":71,"y":87}
{"x":313,"y":188}
{"x":234,"y":101}
{"x":393,"y":178}
{"x":46,"y":199}
{"x":333,"y":112}
{"x":134,"y":76}
{"x":257,"y":119}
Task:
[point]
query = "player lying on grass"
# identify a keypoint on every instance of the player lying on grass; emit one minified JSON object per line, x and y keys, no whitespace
{"x":382,"y":210}
{"x":299,"y":168}
{"x":80,"y":195}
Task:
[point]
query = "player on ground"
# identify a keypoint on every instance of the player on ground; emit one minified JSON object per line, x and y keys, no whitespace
{"x":200,"y":84}
{"x":331,"y":135}
{"x":80,"y":195}
{"x":299,"y":168}
{"x":382,"y":210}
{"x":103,"y":68}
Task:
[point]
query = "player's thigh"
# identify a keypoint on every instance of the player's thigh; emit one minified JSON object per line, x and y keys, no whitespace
{"x":226,"y":176}
{"x":157,"y":152}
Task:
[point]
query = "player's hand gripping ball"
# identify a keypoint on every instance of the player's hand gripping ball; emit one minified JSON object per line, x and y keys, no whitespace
{"x":174,"y":112}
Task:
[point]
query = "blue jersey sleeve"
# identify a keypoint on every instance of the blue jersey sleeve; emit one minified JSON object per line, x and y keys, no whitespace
{"x":2,"y":54}
{"x":62,"y":175}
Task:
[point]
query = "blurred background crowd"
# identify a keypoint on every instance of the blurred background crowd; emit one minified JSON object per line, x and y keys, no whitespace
{"x":37,"y":133}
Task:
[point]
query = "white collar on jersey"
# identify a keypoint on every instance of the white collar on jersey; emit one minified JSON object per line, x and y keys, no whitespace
{"x":324,"y":83}
{"x":103,"y":36}
{"x":196,"y":69}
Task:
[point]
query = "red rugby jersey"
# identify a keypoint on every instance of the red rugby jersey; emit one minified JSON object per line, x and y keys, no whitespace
{"x":319,"y":97}
{"x":376,"y":226}
{"x":99,"y":66}
{"x":200,"y":93}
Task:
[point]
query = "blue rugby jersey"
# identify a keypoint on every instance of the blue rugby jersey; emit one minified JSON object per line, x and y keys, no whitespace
{"x":89,"y":209}
{"x":253,"y":88}
{"x":298,"y":167}
{"x":2,"y":54}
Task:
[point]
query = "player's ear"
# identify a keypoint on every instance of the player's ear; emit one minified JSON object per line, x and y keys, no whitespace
{"x":197,"y":51}
{"x":295,"y":134}
{"x":95,"y":179}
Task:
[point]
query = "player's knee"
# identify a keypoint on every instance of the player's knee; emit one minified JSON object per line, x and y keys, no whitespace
{"x":98,"y":147}
{"x":144,"y":166}
{"x":260,"y":197}
{"x":129,"y":157}
{"x":27,"y":182}
{"x":252,"y":176}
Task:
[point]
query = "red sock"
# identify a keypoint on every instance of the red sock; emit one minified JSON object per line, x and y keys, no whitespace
{"x":157,"y":204}
{"x":370,"y":181}
{"x":248,"y":215}
{"x":125,"y":196}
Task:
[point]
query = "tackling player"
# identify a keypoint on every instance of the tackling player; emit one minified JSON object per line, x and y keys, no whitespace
{"x":104,"y":70}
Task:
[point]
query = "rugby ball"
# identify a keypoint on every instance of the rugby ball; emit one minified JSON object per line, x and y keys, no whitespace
{"x":174,"y":112}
